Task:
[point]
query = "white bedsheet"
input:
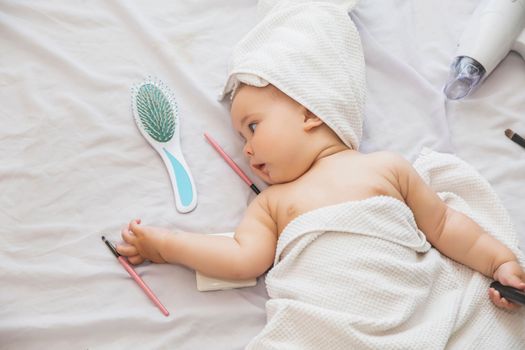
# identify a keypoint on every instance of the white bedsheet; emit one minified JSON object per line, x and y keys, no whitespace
{"x":73,"y":165}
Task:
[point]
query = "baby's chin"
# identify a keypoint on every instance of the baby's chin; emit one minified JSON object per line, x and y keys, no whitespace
{"x":267,"y":178}
{"x":277,"y":179}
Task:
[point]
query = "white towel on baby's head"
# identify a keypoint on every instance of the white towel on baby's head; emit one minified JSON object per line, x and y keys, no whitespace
{"x":311,"y":51}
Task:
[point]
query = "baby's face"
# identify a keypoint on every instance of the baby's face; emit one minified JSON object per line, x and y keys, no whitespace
{"x":271,"y":124}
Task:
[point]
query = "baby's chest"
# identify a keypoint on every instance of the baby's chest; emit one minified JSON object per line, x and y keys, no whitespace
{"x":302,"y":199}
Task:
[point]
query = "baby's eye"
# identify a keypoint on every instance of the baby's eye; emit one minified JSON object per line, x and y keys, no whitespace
{"x":252,"y":126}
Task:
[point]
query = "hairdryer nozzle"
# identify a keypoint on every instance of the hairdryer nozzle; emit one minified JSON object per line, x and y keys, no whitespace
{"x":465,"y":75}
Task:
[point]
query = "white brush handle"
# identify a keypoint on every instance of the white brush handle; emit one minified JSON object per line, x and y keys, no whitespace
{"x":181,"y":178}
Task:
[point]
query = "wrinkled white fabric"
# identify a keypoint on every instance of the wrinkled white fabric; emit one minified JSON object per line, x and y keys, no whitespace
{"x":312,"y":52}
{"x":74,"y":165}
{"x":360,"y":275}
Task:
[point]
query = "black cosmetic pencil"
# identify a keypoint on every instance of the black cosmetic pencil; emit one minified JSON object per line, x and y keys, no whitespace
{"x":515,"y":137}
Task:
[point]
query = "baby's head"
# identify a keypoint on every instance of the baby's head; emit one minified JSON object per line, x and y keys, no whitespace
{"x":302,"y":64}
{"x":283,"y":139}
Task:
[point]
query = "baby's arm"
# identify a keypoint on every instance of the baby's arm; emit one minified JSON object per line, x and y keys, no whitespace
{"x":248,"y":254}
{"x":455,"y":234}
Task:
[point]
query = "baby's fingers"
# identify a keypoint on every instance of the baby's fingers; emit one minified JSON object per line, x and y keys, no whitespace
{"x":135,"y":228}
{"x":499,"y":301}
{"x":136,"y":260}
{"x":128,"y":236}
{"x":514,"y":281}
{"x":127,"y":250}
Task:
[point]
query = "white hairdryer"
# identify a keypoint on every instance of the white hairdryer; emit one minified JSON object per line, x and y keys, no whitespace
{"x":496,"y":27}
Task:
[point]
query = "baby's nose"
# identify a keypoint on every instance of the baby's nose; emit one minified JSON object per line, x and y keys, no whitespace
{"x":247,"y":150}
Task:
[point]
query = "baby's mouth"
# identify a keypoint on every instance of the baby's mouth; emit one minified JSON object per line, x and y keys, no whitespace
{"x":260,"y":166}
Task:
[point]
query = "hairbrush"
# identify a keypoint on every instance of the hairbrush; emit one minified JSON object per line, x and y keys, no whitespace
{"x":157,"y":117}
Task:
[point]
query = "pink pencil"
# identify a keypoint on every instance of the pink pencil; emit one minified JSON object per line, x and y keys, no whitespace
{"x":136,"y":277}
{"x":231,"y":163}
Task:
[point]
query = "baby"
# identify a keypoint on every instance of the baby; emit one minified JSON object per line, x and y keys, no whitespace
{"x":310,"y":162}
{"x":302,"y":159}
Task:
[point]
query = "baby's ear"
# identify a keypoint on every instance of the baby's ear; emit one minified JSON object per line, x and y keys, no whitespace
{"x":311,"y":121}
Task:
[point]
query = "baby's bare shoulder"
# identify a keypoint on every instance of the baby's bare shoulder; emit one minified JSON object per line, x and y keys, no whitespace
{"x":384,"y":156}
{"x":269,"y":198}
{"x":272,"y":195}
{"x":388,"y":160}
{"x":392,"y":167}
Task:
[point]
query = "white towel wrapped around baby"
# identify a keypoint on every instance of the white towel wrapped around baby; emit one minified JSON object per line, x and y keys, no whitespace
{"x":311,"y":51}
{"x":360,"y":275}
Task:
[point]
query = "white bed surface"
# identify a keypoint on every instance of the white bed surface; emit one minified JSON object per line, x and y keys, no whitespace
{"x":74,"y":165}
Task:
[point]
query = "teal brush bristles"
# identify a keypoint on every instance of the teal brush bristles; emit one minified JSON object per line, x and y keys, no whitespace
{"x":156,"y":112}
{"x":157,"y":117}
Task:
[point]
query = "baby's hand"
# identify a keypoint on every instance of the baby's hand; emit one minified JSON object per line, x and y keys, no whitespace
{"x":508,"y":274}
{"x":142,"y":242}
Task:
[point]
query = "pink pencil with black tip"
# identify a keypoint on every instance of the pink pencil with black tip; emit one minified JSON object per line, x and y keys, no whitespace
{"x":124,"y":262}
{"x":231,"y":163}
